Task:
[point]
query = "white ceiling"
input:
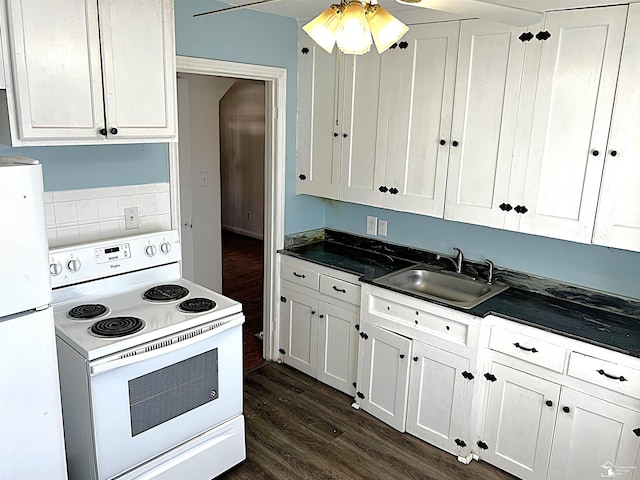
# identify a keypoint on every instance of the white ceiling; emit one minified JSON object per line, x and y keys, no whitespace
{"x":307,"y":9}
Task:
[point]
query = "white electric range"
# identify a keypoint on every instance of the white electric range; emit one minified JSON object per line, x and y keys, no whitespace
{"x":150,"y":363}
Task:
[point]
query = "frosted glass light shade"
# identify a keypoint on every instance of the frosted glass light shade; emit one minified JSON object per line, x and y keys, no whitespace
{"x":385,"y":28}
{"x":322,"y":29}
{"x":353,"y":35}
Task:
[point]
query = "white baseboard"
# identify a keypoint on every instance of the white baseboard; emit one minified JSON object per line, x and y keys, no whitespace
{"x":241,"y":231}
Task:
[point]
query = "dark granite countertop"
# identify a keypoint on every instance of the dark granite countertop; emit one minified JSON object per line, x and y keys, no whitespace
{"x":603,"y":327}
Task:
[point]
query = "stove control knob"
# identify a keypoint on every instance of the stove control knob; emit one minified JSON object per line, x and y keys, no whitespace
{"x":165,"y":247}
{"x":150,"y":250}
{"x":73,"y":265}
{"x":55,"y":268}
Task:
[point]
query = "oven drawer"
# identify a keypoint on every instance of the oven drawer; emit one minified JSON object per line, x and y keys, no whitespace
{"x":345,"y":291}
{"x":609,"y":375}
{"x":528,"y":348}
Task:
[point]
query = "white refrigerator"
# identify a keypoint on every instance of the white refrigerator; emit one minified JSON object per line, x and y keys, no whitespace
{"x":31,"y":435}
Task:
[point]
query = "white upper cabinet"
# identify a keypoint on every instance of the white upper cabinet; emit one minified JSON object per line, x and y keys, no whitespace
{"x":421,"y":105}
{"x":318,"y":155}
{"x":618,"y":219}
{"x":406,"y":103}
{"x":489,"y":74}
{"x":572,"y":108}
{"x":337,"y":101}
{"x":88,"y":72}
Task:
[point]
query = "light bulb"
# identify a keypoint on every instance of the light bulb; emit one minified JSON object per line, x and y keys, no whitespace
{"x":385,"y":28}
{"x":322,"y":29}
{"x":353,"y":35}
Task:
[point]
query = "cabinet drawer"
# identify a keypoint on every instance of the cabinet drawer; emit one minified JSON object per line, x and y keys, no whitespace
{"x":609,"y":375}
{"x":419,"y":319}
{"x":299,"y":275}
{"x":345,"y":291}
{"x":529,"y":349}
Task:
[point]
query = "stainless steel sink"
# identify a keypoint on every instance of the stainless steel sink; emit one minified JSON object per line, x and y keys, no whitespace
{"x":446,"y":287}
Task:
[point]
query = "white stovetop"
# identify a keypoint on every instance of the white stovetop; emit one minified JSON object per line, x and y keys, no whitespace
{"x":161,"y":319}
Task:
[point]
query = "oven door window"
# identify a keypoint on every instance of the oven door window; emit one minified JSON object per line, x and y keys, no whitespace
{"x":160,"y":396}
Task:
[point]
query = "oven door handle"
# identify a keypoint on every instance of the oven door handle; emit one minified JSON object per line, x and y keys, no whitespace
{"x":116,"y":361}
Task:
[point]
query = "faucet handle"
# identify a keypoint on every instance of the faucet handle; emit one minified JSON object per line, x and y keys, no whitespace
{"x":490,"y":274}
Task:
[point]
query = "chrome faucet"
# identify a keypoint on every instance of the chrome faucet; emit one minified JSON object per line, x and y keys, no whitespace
{"x":490,"y":273}
{"x":457,"y":261}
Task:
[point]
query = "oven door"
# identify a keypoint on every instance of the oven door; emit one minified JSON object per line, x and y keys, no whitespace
{"x":148,"y":403}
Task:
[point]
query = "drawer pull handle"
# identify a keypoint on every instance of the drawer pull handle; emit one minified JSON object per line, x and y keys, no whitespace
{"x":299,"y":275}
{"x":612,"y":377}
{"x":532,"y":350}
{"x":341,"y":290}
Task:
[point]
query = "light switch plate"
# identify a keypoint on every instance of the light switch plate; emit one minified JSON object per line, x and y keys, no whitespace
{"x":372,"y":225}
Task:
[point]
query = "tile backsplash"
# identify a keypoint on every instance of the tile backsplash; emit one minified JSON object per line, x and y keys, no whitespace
{"x":77,"y":216}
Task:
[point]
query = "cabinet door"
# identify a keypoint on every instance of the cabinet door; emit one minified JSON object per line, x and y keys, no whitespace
{"x":319,"y":97}
{"x":424,"y":96}
{"x":361,"y":160}
{"x":57,"y":80}
{"x":338,"y":346}
{"x":383,"y":375}
{"x":519,"y":423}
{"x":439,"y":403}
{"x":618,"y":221}
{"x":573,"y":103}
{"x":592,"y":433}
{"x":490,"y":62}
{"x":138,"y":61}
{"x":299,"y":331}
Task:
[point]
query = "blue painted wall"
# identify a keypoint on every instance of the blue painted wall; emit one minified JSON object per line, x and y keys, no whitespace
{"x":71,"y":168}
{"x":601,"y":268}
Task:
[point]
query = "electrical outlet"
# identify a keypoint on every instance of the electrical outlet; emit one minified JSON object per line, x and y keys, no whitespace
{"x":382,"y":228}
{"x":372,"y":225}
{"x":131,"y":218}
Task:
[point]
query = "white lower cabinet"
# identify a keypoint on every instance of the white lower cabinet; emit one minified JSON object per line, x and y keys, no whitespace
{"x":556,"y":408}
{"x":521,"y":410}
{"x":383,"y":375}
{"x":319,"y":323}
{"x":439,"y":404}
{"x":414,"y":370}
{"x":592,"y":433}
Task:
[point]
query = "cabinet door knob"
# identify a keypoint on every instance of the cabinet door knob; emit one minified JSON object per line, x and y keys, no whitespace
{"x":506,"y":207}
{"x":313,"y":312}
{"x":455,"y":143}
{"x":613,"y":153}
{"x":543,"y":35}
{"x":344,"y":135}
{"x":415,"y":359}
{"x":482,"y":445}
{"x":114,"y":131}
{"x":321,"y":315}
{"x":637,"y":432}
{"x":383,"y":189}
{"x":393,"y":191}
{"x":595,"y":153}
{"x":335,"y":134}
{"x":525,"y":37}
{"x":491,"y":377}
{"x":402,"y":355}
{"x":103,"y":131}
{"x":549,"y":403}
{"x":302,"y":176}
{"x":566,"y":409}
{"x":521,"y":209}
{"x":443,"y":142}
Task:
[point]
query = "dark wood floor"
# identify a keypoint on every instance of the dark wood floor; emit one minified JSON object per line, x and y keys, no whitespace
{"x":242,"y":280}
{"x":299,"y":428}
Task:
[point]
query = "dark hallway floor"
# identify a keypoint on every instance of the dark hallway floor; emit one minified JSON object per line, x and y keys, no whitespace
{"x":242,"y":280}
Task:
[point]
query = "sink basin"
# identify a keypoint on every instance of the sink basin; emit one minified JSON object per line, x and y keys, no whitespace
{"x":446,"y":287}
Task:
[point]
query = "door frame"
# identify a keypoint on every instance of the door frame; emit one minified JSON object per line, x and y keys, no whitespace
{"x":275,"y":79}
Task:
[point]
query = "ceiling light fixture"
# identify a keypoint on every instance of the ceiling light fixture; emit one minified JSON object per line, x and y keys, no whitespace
{"x":352,"y":24}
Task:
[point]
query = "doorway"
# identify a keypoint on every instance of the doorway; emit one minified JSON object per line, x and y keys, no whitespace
{"x":274,"y":154}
